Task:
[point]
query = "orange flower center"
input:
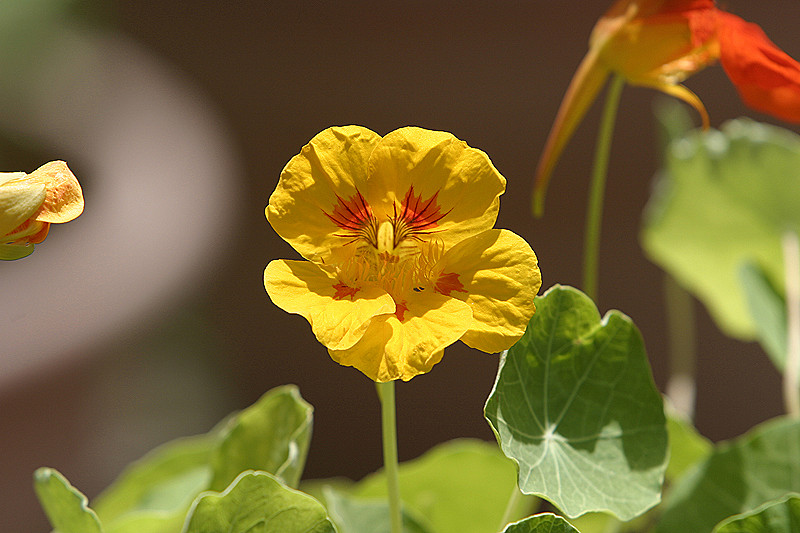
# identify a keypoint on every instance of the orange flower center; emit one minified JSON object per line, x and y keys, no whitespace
{"x":400,"y":254}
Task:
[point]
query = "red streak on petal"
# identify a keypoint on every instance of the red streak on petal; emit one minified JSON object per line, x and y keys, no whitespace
{"x":418,"y":214}
{"x":447,"y":283}
{"x":400,"y":310}
{"x":343,"y":291}
{"x":353,"y":215}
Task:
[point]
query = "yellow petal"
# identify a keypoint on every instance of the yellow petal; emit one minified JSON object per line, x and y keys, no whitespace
{"x":332,"y":166}
{"x":391,"y":349}
{"x":500,"y":277}
{"x":64,"y":200}
{"x":338,"y":317}
{"x":463,"y":181}
{"x":20,"y":197}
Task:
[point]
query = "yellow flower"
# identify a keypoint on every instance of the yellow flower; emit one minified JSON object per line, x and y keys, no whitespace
{"x":29,"y":203}
{"x":402,"y":257}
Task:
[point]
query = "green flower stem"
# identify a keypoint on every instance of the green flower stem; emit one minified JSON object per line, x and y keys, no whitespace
{"x":791,"y":263}
{"x":681,"y":387}
{"x":389,"y":430}
{"x":594,"y":214}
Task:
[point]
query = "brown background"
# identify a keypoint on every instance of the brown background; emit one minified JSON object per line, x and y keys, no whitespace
{"x":492,"y":73}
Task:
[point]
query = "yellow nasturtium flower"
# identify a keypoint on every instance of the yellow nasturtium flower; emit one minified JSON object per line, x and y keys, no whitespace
{"x":29,"y":203}
{"x":402,"y":260}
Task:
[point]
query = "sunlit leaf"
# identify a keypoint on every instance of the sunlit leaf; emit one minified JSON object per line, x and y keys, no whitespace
{"x":153,"y":494}
{"x":575,"y":406}
{"x":66,"y":507}
{"x":781,"y":516}
{"x":686,"y":446}
{"x":271,"y":435}
{"x":258,"y":501}
{"x":461,"y":486}
{"x":541,"y":523}
{"x":357,"y":515}
{"x":724,"y":200}
{"x":738,"y":477}
{"x":768,"y":312}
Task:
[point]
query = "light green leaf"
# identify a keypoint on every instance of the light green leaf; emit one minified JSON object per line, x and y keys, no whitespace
{"x":724,"y":200}
{"x":257,"y":502}
{"x":153,"y":494}
{"x":686,"y":446}
{"x":271,"y":435}
{"x":167,"y":478}
{"x":575,"y":406}
{"x":66,"y":507}
{"x":739,"y":476}
{"x":768,"y":312}
{"x":541,"y":523}
{"x":358,"y":515}
{"x":461,"y":486}
{"x":781,"y":516}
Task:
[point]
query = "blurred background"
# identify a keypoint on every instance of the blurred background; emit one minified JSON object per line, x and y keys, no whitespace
{"x":146,"y":318}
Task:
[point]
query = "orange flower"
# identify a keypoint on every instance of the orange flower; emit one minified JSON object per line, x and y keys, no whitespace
{"x":658,"y":44}
{"x":29,"y":203}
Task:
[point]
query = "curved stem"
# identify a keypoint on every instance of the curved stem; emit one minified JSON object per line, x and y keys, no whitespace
{"x":594,"y":214}
{"x":791,"y":262}
{"x":389,"y":431}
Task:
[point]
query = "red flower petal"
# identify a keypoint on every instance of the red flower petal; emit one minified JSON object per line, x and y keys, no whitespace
{"x":767,"y":78}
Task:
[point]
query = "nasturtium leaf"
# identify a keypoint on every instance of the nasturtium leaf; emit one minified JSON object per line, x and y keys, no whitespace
{"x":257,"y":502}
{"x":541,"y":523}
{"x":66,"y":508}
{"x":686,"y":446}
{"x":737,"y":477}
{"x":767,"y":310}
{"x":724,"y":199}
{"x":357,"y":515}
{"x":780,"y":516}
{"x":166,"y":479}
{"x":460,"y":486}
{"x":575,"y":406}
{"x":272,"y":435}
{"x":153,"y":494}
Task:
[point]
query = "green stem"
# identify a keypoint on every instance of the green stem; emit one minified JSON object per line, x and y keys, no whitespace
{"x":594,"y":214}
{"x":389,"y":430}
{"x":791,"y":371}
{"x":681,"y":387}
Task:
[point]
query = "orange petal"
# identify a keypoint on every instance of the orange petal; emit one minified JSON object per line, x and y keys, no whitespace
{"x":64,"y":198}
{"x":582,"y":91}
{"x":767,"y":78}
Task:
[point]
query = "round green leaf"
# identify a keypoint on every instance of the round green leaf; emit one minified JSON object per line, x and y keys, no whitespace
{"x":575,"y":406}
{"x":780,"y":516}
{"x":461,"y":486}
{"x":358,"y":515}
{"x":257,"y":502}
{"x":686,"y":446}
{"x":166,"y":479}
{"x":724,"y":199}
{"x":541,"y":523}
{"x":66,"y":507}
{"x":272,"y":435}
{"x":738,"y":477}
{"x":768,"y":312}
